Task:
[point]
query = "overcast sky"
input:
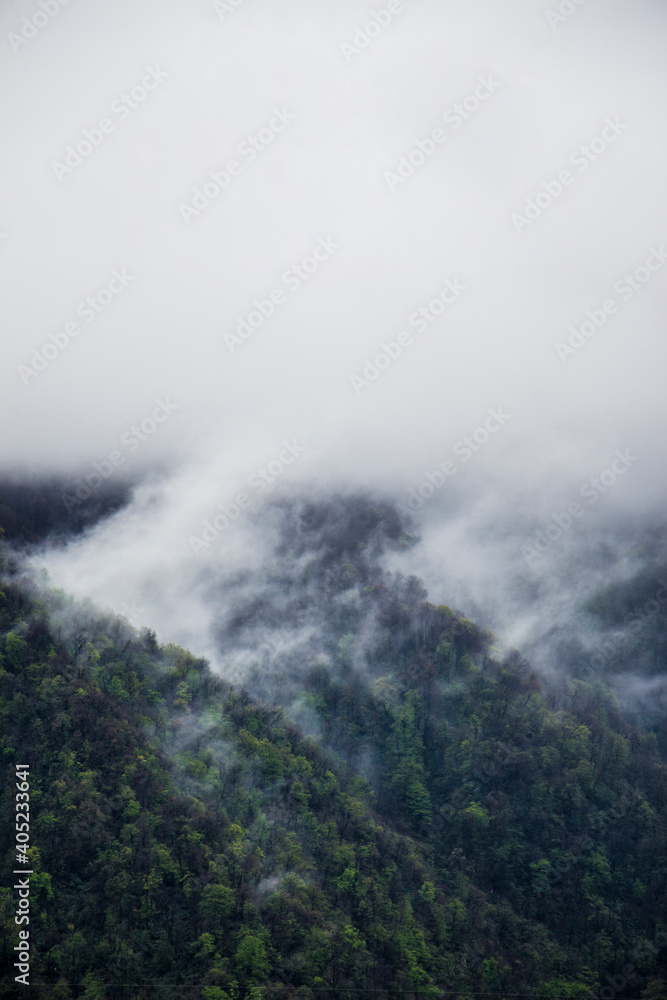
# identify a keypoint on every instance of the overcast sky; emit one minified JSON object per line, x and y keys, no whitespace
{"x":372,"y":161}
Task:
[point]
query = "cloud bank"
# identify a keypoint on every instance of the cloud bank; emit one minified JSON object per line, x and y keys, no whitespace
{"x":412,"y":248}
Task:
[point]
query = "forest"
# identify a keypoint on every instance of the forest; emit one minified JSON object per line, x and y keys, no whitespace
{"x":419,"y":815}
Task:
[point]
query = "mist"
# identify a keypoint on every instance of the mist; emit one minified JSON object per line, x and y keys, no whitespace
{"x":256,"y":254}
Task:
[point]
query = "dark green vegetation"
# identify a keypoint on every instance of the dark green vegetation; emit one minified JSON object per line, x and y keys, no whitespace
{"x":31,"y":510}
{"x":635,"y":617}
{"x":453,"y":829}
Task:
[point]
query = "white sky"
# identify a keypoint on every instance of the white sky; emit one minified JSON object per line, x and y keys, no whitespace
{"x":323,"y":176}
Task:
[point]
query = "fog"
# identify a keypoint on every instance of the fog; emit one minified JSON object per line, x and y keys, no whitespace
{"x":363,"y":299}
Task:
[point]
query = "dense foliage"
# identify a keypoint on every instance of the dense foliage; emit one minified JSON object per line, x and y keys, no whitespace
{"x":451,"y":828}
{"x":31,"y":509}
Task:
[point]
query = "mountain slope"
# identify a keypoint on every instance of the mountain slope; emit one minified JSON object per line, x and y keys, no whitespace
{"x":451,"y":827}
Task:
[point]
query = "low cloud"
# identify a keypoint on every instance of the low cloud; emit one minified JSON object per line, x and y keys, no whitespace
{"x":253,"y":123}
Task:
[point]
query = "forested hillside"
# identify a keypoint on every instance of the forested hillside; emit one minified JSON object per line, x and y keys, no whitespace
{"x":424,"y":817}
{"x":32,"y":509}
